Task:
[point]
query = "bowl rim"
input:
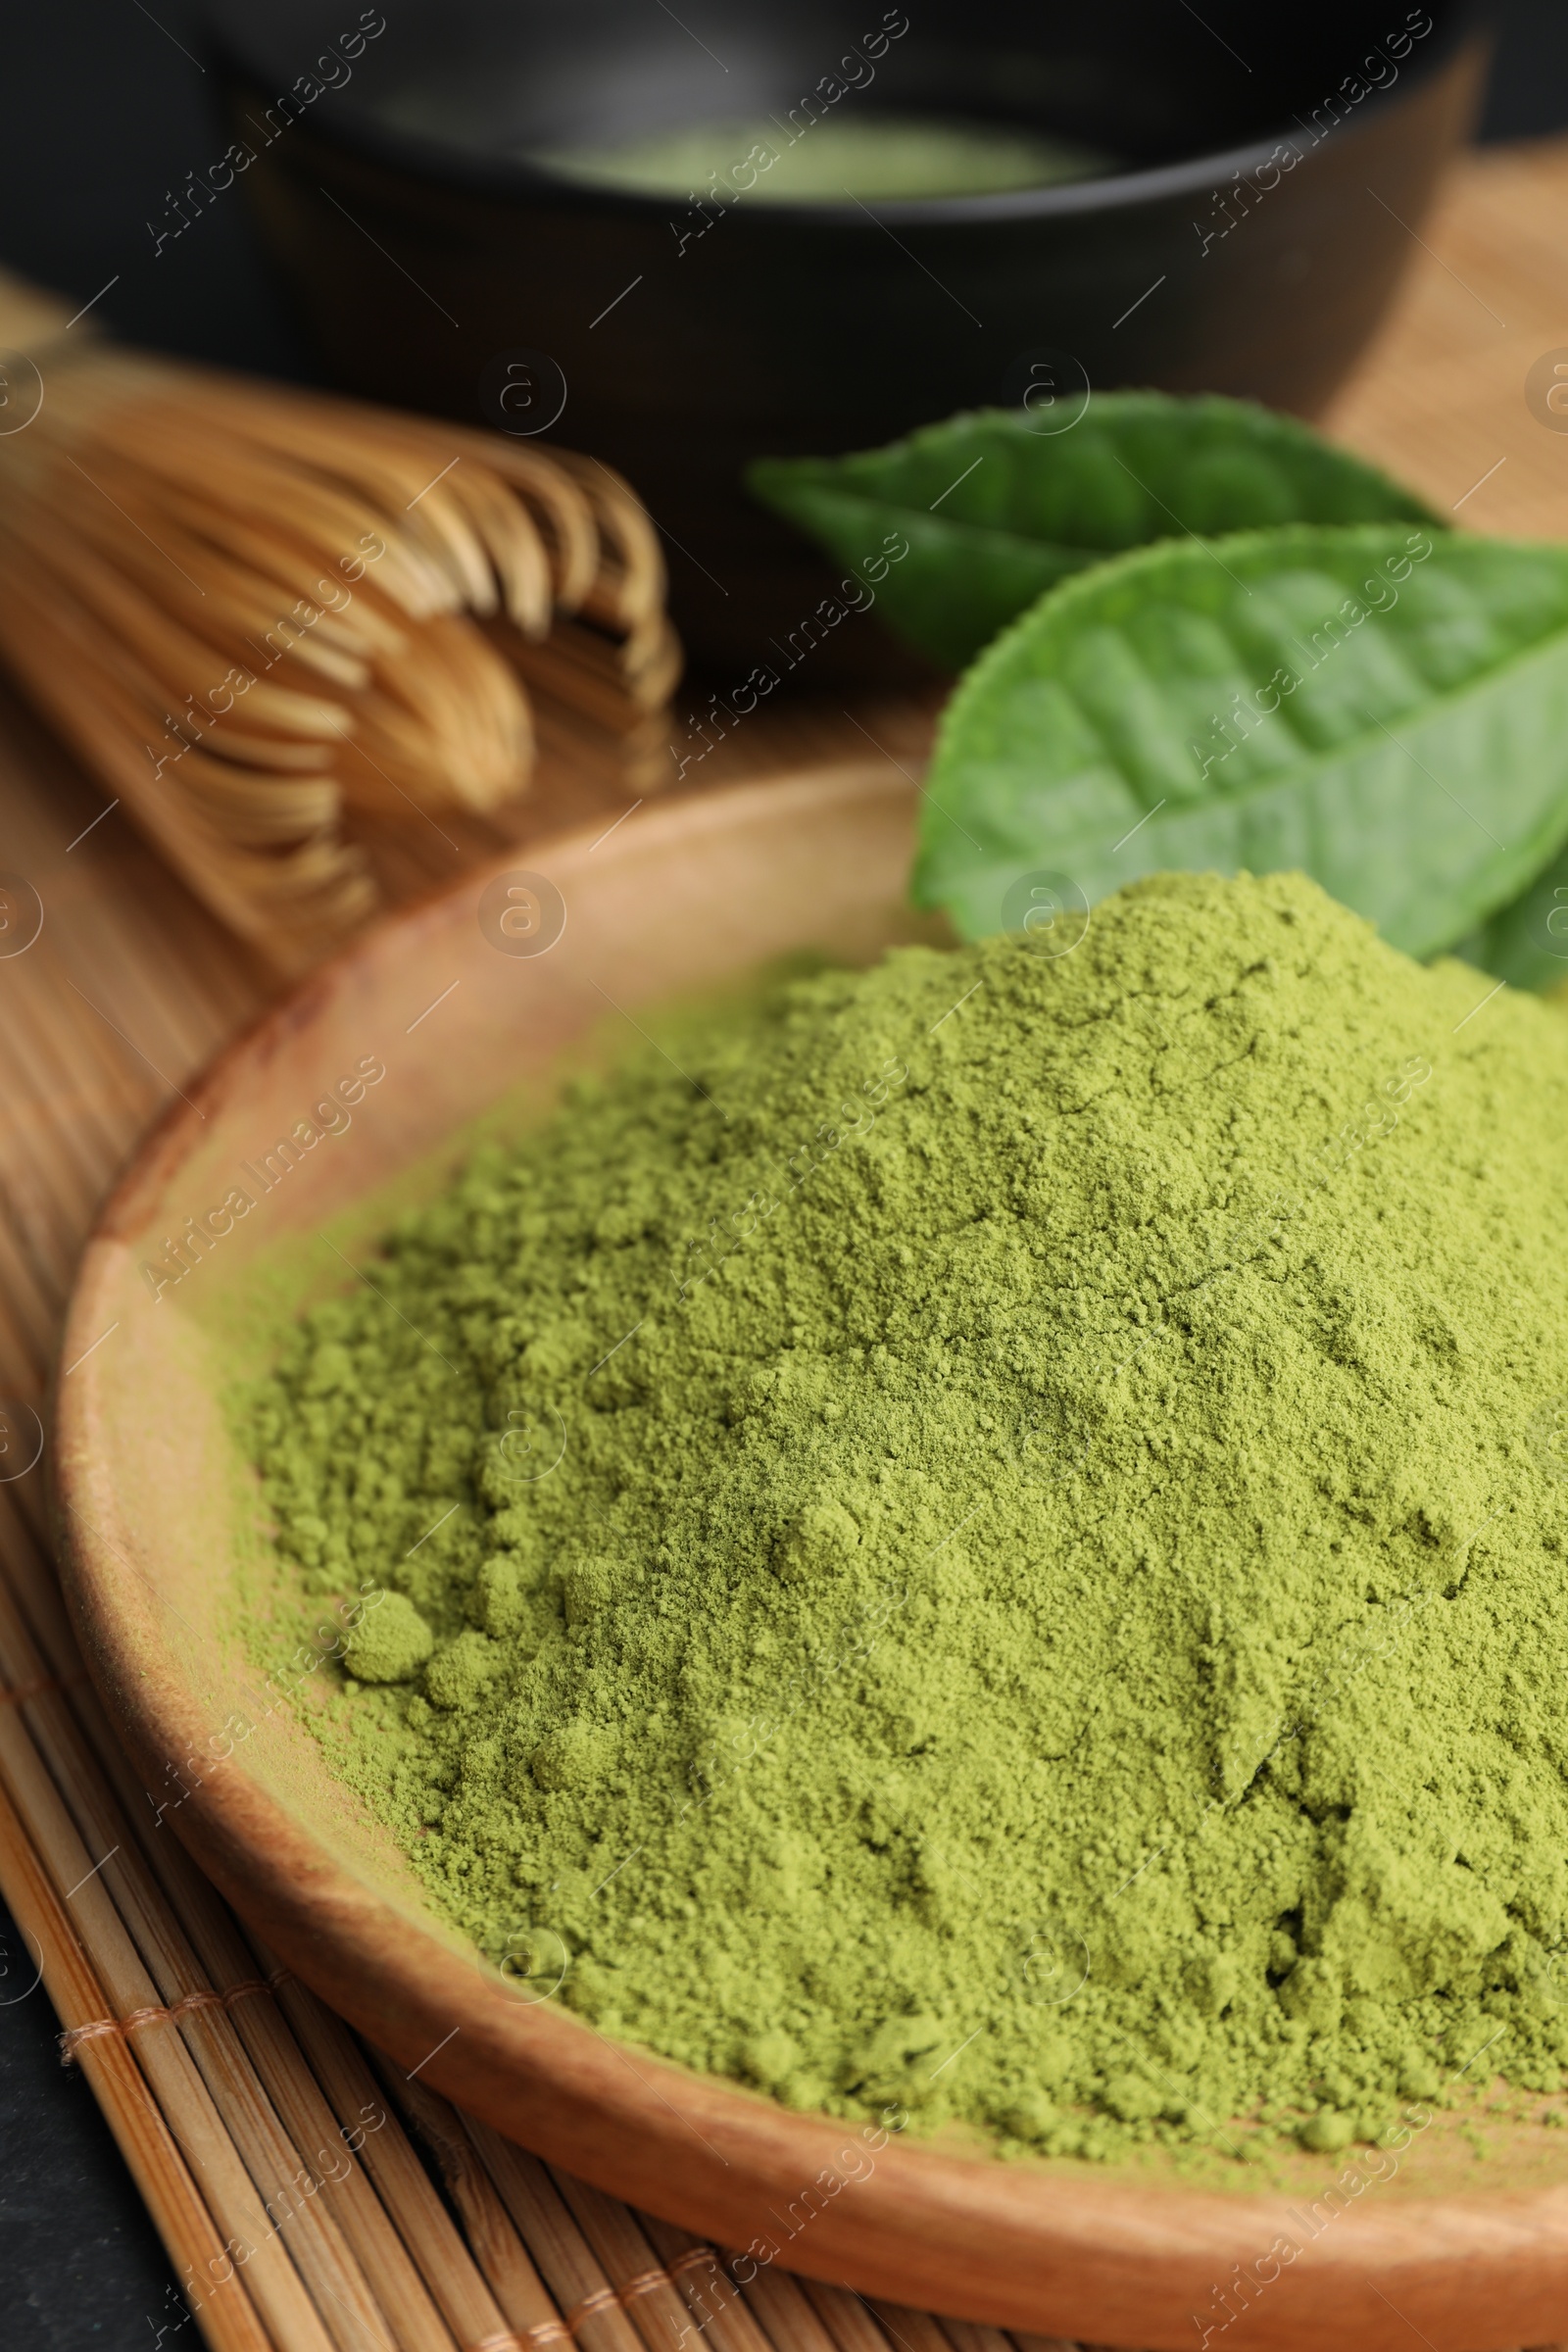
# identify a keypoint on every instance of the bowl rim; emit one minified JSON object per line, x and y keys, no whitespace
{"x":1023,"y":2244}
{"x":357,"y":129}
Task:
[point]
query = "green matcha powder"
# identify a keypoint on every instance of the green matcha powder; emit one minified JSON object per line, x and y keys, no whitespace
{"x":999,"y":1542}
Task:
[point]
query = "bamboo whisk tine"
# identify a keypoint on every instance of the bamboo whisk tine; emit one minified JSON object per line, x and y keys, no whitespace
{"x":218,"y":590}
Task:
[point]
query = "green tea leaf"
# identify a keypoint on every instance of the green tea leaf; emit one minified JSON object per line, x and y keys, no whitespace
{"x":1527,"y":944}
{"x":996,"y":510}
{"x":1387,"y":710}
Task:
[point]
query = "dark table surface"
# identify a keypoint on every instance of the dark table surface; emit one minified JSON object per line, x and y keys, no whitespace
{"x":106,"y":104}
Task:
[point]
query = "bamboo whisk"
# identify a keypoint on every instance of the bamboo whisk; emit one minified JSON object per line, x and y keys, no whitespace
{"x":248,"y":607}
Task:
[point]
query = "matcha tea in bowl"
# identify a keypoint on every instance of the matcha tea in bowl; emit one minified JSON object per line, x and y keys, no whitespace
{"x":301,"y":1213}
{"x":738,"y":231}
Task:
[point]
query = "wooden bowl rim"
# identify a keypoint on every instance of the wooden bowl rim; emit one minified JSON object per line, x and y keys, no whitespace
{"x":1016,"y":2244}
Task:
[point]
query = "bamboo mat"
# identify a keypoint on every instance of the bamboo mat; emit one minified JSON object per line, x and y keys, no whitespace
{"x":380,"y":2218}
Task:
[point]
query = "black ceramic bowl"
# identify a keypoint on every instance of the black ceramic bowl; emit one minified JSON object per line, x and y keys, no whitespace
{"x":1275,"y":165}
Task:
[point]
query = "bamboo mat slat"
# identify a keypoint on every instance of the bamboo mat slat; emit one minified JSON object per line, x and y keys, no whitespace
{"x":383,"y":2220}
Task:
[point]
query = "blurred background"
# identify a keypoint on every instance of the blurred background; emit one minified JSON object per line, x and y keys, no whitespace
{"x":107,"y":109}
{"x":107,"y":103}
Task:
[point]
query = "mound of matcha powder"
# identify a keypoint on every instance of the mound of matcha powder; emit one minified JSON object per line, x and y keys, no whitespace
{"x":999,"y":1534}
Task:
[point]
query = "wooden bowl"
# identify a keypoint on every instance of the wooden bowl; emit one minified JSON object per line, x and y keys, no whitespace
{"x":160,"y":1517}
